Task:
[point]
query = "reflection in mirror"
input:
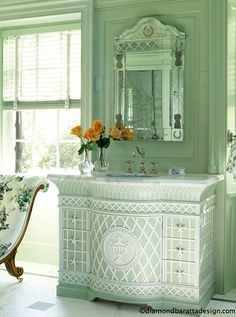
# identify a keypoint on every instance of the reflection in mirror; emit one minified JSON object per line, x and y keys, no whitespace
{"x":149,"y":64}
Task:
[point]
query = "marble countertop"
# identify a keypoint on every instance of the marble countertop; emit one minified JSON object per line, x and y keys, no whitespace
{"x":206,"y":179}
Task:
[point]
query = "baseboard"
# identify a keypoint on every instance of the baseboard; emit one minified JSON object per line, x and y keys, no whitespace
{"x":38,"y":252}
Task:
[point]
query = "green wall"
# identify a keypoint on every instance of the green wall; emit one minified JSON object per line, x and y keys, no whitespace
{"x":205,"y":100}
{"x":190,"y":16}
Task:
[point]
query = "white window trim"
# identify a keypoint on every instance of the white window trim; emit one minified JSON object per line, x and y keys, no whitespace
{"x":22,"y":12}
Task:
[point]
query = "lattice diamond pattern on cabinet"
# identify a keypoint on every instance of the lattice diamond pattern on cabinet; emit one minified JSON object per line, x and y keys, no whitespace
{"x":74,"y":278}
{"x":168,"y":225}
{"x":148,"y":231}
{"x":72,"y":201}
{"x":130,"y":290}
{"x":128,"y":207}
{"x":109,"y":287}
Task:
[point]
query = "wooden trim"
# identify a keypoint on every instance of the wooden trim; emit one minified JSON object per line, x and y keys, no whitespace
{"x":9,"y":259}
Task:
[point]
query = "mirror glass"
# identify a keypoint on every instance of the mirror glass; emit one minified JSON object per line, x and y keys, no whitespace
{"x":149,"y":76}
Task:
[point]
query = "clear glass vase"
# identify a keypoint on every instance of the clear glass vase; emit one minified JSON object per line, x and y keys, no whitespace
{"x":101,"y":165}
{"x":86,"y":166}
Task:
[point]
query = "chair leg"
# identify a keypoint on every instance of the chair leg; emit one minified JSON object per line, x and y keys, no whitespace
{"x":11,"y":267}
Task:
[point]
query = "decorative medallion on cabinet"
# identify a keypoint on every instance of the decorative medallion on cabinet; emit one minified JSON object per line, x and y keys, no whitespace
{"x":146,"y":241}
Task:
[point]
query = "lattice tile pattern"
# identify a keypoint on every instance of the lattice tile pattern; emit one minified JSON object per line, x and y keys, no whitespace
{"x":76,"y":260}
{"x":138,"y":191}
{"x":148,"y":231}
{"x":179,"y":249}
{"x":72,"y":201}
{"x":179,"y":227}
{"x":148,"y":239}
{"x":77,"y":219}
{"x":128,"y":289}
{"x":206,"y":251}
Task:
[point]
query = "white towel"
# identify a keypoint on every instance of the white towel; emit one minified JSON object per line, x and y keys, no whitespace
{"x":231,"y":164}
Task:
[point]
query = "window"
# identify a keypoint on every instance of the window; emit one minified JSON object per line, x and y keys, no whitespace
{"x":42,"y":77}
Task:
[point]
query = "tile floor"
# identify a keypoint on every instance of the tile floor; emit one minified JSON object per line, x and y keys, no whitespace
{"x":36,"y":297}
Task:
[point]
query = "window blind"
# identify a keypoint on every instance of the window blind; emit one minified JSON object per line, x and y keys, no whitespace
{"x":42,"y":70}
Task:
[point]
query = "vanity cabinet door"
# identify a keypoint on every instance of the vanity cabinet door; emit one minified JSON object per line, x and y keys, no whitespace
{"x":180,"y":250}
{"x":75,"y":240}
{"x":182,"y":227}
{"x":179,"y":272}
{"x":74,"y":218}
{"x":126,"y":248}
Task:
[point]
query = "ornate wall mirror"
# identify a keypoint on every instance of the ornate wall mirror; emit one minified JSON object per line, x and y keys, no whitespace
{"x":149,"y":75}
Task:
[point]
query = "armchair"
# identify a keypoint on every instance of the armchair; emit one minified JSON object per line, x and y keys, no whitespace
{"x":17,"y":196}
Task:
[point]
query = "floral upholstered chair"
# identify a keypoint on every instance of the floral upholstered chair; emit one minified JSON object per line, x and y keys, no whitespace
{"x":17,"y":195}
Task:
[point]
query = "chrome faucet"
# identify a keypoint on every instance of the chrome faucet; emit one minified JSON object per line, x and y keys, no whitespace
{"x":141,"y":152}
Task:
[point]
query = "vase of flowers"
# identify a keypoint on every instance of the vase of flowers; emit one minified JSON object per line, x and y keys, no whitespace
{"x":85,"y":165}
{"x":101,"y":165}
{"x":96,"y":134}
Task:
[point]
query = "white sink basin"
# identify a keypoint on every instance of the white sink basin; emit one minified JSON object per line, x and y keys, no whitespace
{"x":188,"y":178}
{"x":120,"y":174}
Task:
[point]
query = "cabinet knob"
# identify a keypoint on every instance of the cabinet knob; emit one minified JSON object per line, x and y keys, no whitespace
{"x":73,"y":240}
{"x":73,"y":261}
{"x":180,"y":226}
{"x":73,"y":220}
{"x":180,"y":250}
{"x":180,"y":272}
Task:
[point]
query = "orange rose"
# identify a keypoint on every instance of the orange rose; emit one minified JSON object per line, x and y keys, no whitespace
{"x":127,"y":134}
{"x":120,"y":125}
{"x":91,"y":135}
{"x":115,"y":133}
{"x":77,"y":131}
{"x":98,"y":126}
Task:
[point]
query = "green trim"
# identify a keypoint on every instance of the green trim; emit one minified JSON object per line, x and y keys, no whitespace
{"x":29,"y":9}
{"x":27,"y":105}
{"x":1,"y":105}
{"x":156,"y":302}
{"x":217,"y":86}
{"x":34,"y":29}
{"x":17,"y":12}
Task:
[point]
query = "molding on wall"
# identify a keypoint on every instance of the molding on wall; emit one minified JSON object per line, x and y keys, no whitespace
{"x":21,"y":10}
{"x":183,"y":150}
{"x":1,"y":106}
{"x":218,"y":86}
{"x":107,"y":4}
{"x":28,"y":8}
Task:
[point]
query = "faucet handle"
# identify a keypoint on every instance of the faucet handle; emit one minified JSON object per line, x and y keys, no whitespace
{"x":154,"y":170}
{"x":129,"y":168}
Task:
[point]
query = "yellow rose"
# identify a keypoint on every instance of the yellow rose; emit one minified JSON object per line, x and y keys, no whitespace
{"x":91,"y":135}
{"x":77,"y":131}
{"x":115,"y":133}
{"x":127,"y":134}
{"x":98,"y":126}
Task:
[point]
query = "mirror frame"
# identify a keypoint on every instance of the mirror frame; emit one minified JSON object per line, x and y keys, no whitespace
{"x":146,"y":39}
